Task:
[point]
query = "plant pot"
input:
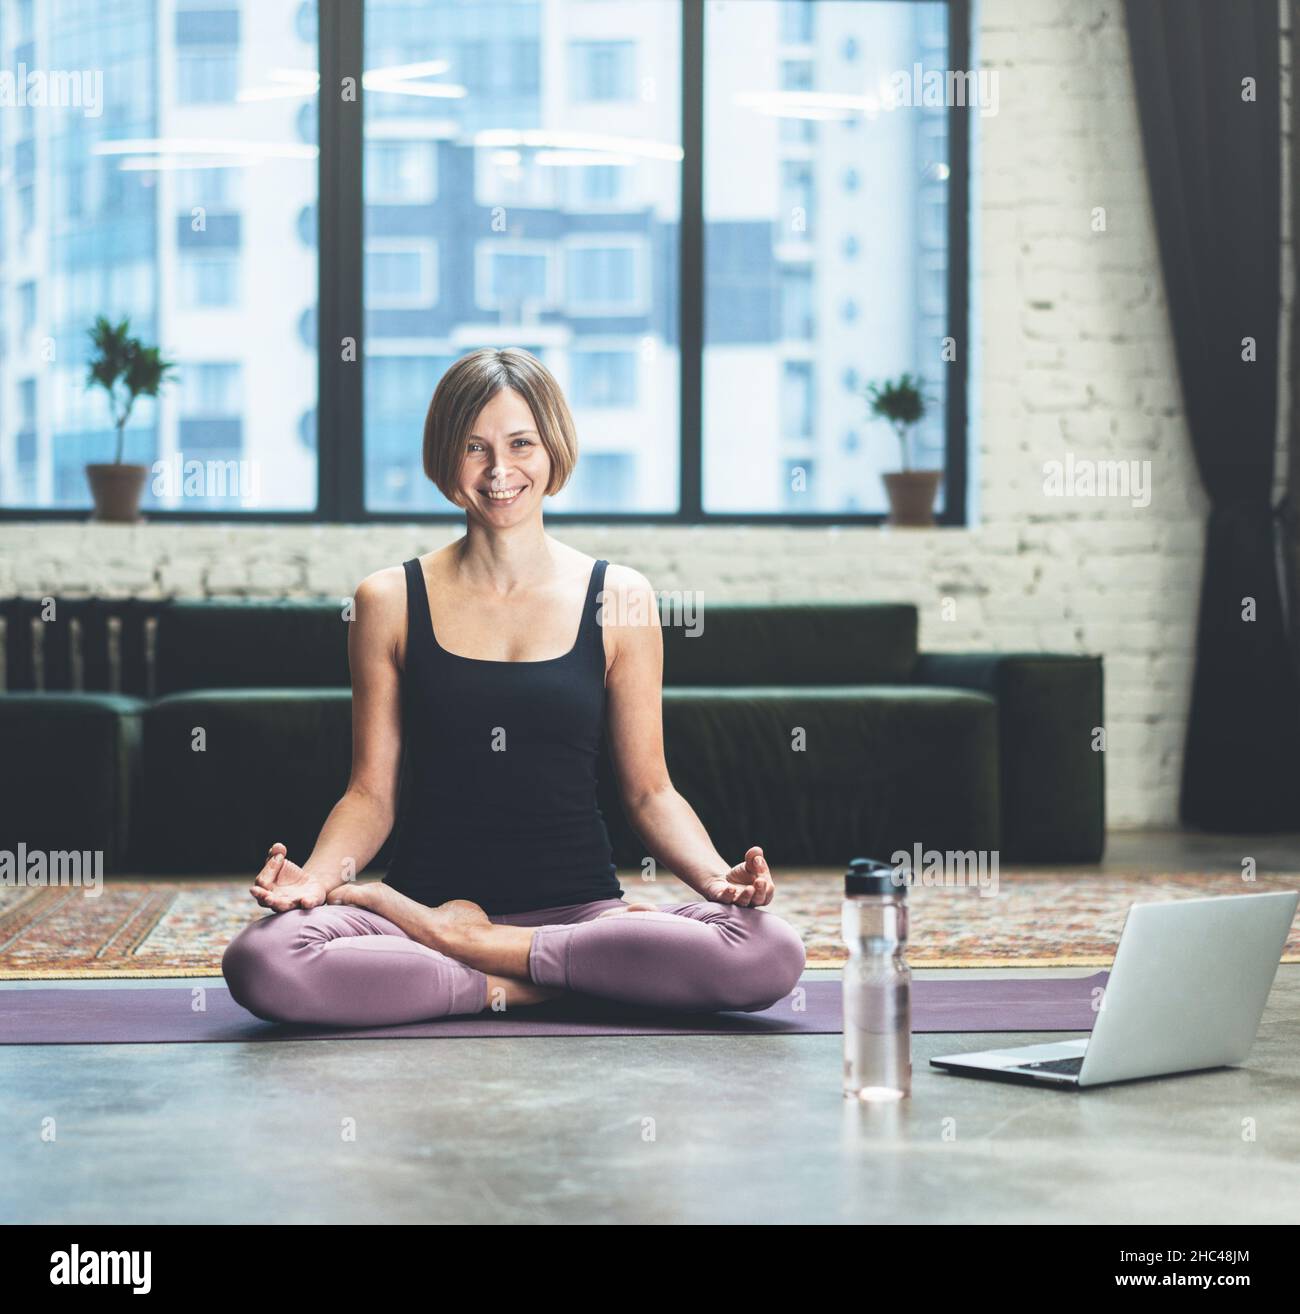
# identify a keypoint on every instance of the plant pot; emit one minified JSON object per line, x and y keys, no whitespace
{"x":911,"y":497}
{"x":116,"y":490}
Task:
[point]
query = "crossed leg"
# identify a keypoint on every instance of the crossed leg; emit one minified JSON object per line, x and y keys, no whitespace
{"x":375,"y":957}
{"x":346,"y":966}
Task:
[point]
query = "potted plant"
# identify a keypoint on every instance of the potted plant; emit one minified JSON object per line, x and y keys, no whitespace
{"x":126,"y":369}
{"x":901,"y":403}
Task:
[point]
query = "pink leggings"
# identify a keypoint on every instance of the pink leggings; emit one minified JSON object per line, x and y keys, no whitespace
{"x":338,"y":965}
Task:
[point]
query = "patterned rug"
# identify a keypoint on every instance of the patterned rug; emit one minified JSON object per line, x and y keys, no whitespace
{"x":179,"y":927}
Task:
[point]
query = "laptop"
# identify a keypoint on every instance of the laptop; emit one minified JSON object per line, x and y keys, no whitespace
{"x":1186,"y":992}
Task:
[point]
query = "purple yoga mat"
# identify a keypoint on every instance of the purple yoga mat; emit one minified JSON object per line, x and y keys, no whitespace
{"x":166,"y":1015}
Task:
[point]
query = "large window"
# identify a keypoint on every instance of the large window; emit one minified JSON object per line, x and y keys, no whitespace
{"x":838,"y":276}
{"x":716,"y":221}
{"x":556,"y":218}
{"x":171,"y":194}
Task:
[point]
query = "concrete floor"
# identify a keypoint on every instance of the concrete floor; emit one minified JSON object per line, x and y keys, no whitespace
{"x":665,"y":1129}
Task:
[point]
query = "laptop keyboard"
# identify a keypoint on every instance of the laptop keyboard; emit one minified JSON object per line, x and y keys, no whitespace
{"x":1070,"y":1065}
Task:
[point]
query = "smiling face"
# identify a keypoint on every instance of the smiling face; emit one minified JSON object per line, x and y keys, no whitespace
{"x":506,"y":469}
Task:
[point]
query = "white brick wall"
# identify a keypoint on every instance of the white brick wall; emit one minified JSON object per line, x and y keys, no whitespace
{"x":1073,"y":354}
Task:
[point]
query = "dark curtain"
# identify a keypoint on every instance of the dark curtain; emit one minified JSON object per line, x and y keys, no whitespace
{"x":1290,"y":518}
{"x":1214,"y":166}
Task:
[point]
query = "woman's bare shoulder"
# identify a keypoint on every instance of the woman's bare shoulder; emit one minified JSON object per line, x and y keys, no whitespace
{"x":624,"y":582}
{"x":630,"y":609}
{"x":382,"y":590}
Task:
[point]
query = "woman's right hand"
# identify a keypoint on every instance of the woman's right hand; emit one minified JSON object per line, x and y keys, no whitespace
{"x":282,"y":884}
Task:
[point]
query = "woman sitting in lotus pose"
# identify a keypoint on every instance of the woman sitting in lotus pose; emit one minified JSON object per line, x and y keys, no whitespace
{"x":502,"y":890}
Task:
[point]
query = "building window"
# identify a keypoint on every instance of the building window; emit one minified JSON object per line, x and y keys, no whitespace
{"x":307,"y":22}
{"x":206,"y":77}
{"x":210,"y":389}
{"x":207,"y":53}
{"x":400,"y":273}
{"x":211,"y":431}
{"x":209,"y":282}
{"x":604,"y":279}
{"x":518,"y":177}
{"x":797,"y":487}
{"x":797,"y":75}
{"x":401,"y":173}
{"x":797,"y":321}
{"x":513,"y":278}
{"x":602,"y":70}
{"x":603,"y":378}
{"x":26,"y":308}
{"x":797,"y":200}
{"x":797,"y":400}
{"x":604,"y":479}
{"x":211,"y":189}
{"x":600,"y":185}
{"x":796,"y":22}
{"x":26,"y":208}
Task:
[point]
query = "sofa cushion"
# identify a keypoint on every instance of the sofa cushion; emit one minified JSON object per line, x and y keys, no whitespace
{"x":269,"y":766}
{"x":881,"y":769}
{"x":69,"y":771}
{"x":250,"y":645}
{"x":1051,"y":763}
{"x":813,"y":643}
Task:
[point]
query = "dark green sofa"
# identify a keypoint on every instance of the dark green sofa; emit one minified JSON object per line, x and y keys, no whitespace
{"x":816,"y":730}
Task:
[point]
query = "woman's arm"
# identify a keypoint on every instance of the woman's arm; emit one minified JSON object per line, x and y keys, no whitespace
{"x":361,"y":820}
{"x":665,"y":821}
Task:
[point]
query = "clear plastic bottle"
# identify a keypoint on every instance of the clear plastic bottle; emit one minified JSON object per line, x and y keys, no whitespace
{"x":877,"y":984}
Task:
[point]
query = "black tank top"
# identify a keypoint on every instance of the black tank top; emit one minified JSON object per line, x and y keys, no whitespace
{"x":498,"y":800}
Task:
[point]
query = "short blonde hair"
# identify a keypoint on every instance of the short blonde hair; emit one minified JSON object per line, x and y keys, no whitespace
{"x":468,"y":385}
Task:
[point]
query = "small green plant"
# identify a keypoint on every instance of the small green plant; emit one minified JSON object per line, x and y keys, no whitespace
{"x":901,"y":403}
{"x":126,"y":369}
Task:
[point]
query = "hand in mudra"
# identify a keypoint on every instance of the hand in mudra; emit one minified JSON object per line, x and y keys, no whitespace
{"x":748,"y":884}
{"x":282,"y":884}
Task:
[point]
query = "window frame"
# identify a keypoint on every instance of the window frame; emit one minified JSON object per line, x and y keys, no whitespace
{"x":340,"y":213}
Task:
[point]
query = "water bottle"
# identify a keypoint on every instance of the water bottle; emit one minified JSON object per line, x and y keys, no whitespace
{"x":877,"y":984}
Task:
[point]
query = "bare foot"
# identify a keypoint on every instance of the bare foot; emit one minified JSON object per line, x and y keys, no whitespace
{"x":505,"y":993}
{"x":444,"y":928}
{"x":434,"y":927}
{"x":372,"y":895}
{"x":461,"y":912}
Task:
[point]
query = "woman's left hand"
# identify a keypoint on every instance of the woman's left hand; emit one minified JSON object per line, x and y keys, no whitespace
{"x":748,"y":884}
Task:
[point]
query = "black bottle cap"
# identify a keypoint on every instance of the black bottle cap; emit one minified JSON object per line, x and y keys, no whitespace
{"x":867,"y":876}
